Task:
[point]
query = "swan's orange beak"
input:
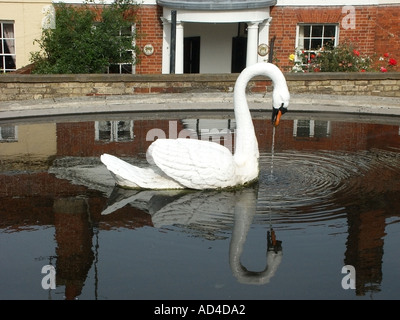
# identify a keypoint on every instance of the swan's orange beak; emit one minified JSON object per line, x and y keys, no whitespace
{"x":276,"y":115}
{"x":277,"y":119}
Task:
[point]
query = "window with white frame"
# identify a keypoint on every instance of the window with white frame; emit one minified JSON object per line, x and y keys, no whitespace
{"x":117,"y":130}
{"x":8,"y":133}
{"x":311,"y":128}
{"x":314,"y":37}
{"x":7,"y":47}
{"x":127,"y":56}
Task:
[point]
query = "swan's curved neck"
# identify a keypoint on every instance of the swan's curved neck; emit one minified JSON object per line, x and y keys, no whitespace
{"x":244,"y":123}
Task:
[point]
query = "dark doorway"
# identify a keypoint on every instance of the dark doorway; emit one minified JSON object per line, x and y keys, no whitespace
{"x":191,"y":52}
{"x":239,"y":47}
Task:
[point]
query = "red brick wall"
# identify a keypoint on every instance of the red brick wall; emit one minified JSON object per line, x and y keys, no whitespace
{"x":150,"y":31}
{"x":387,"y":32}
{"x":377,"y":31}
{"x":377,"y":28}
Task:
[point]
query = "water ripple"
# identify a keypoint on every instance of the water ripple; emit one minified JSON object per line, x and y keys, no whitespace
{"x":318,"y":185}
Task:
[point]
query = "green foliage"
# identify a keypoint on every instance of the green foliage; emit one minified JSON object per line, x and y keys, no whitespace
{"x":342,"y":58}
{"x":87,"y":39}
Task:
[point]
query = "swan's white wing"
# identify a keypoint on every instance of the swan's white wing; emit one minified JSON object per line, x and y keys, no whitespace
{"x":127,"y":175}
{"x":196,"y":164}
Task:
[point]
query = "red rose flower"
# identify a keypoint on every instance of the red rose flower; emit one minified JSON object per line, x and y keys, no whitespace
{"x":357,"y":53}
{"x":383,"y":69}
{"x":312,"y":56}
{"x":362,"y":70}
{"x":386,"y":55}
{"x":392,"y":62}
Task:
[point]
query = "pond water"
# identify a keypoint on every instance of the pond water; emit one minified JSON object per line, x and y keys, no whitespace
{"x":321,"y":223}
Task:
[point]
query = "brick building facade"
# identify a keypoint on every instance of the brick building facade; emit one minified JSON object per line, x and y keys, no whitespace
{"x":376,"y":29}
{"x":373,"y":29}
{"x":225,"y":36}
{"x":151,"y":31}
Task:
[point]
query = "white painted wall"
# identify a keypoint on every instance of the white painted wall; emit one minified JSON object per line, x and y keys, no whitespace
{"x":215,"y":44}
{"x":28,"y":17}
{"x":154,"y":2}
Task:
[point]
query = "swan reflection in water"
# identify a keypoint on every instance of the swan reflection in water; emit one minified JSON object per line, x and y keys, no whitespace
{"x":188,"y":207}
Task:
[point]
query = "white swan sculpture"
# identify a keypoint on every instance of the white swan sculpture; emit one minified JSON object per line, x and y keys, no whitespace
{"x":197,"y":164}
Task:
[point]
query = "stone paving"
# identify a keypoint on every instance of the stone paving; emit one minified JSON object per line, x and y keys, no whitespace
{"x":195,"y":102}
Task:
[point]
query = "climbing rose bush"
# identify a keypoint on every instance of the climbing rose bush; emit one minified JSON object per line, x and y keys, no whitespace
{"x":343,"y":58}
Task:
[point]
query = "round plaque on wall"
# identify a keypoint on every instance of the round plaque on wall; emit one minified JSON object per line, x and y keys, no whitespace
{"x":263,"y":49}
{"x":148,"y":49}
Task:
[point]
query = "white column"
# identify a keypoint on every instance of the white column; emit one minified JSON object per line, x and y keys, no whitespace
{"x":263,"y":37}
{"x":179,"y":48}
{"x":166,"y":45}
{"x":252,"y":43}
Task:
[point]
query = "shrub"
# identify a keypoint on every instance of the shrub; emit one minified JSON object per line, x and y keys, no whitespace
{"x":343,"y":58}
{"x":86,"y":39}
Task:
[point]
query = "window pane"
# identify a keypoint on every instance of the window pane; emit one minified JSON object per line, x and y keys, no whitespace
{"x":329,"y":31}
{"x":126,"y":56}
{"x":329,"y":43}
{"x":113,"y":68}
{"x":306,"y":44}
{"x":9,"y":46}
{"x":1,"y":63}
{"x":316,"y":31}
{"x":127,"y":31}
{"x":10,"y":64}
{"x":105,"y":130}
{"x":321,"y":129}
{"x":316,"y":44}
{"x":303,"y":128}
{"x":7,"y":132}
{"x":126,"y":68}
{"x":307,"y":31}
{"x":8,"y":30}
{"x":1,"y":47}
{"x":124,"y":130}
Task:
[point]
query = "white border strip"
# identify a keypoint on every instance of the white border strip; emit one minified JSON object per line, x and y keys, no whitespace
{"x":331,"y":3}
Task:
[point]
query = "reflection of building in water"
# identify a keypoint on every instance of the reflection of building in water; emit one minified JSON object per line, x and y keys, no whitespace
{"x":83,"y":138}
{"x":366,"y":226}
{"x":311,"y":128}
{"x":364,"y":248}
{"x":216,"y":130}
{"x":123,"y":137}
{"x":27,"y":145}
{"x":30,"y":199}
{"x":109,"y":131}
{"x":39,"y":199}
{"x":8,"y":133}
{"x":74,"y":235}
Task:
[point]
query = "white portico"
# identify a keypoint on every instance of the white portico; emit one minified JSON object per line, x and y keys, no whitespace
{"x":220,"y":36}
